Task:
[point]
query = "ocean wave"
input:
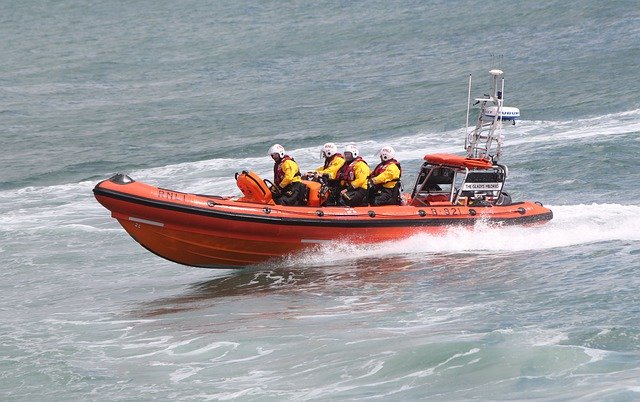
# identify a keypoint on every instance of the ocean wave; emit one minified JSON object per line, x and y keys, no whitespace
{"x":410,"y":150}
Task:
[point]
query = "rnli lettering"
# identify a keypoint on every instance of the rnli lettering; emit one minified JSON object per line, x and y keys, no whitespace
{"x":171,"y":195}
{"x":446,"y":211}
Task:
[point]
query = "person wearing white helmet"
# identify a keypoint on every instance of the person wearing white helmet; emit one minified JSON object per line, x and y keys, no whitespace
{"x":286,"y":178}
{"x":333,"y":162}
{"x":385,"y":179}
{"x":354,"y":177}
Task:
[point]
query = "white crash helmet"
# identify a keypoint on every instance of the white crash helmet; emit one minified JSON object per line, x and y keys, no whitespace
{"x":328,"y":150}
{"x":352,"y":149}
{"x":387,"y":152}
{"x":277,"y":149}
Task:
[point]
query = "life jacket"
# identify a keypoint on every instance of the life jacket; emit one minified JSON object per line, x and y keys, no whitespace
{"x":347,"y":173}
{"x":383,"y":166}
{"x":328,"y":161}
{"x":278,"y":172}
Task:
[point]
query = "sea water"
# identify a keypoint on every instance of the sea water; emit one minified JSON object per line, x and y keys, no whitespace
{"x":184,"y":94}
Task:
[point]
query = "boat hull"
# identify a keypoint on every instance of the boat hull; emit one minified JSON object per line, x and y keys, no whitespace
{"x":223,"y":232}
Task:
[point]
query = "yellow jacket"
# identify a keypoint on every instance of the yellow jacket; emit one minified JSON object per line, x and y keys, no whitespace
{"x":290,"y":173}
{"x":334,"y":167}
{"x":360,"y":172}
{"x":389,"y":177}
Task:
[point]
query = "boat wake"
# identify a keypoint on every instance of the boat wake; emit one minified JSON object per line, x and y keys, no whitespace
{"x":572,"y":225}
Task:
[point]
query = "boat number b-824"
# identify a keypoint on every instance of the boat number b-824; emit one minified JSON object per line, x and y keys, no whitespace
{"x":446,"y":211}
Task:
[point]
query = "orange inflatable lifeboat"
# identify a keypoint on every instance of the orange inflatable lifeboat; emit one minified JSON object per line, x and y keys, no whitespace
{"x":222,"y":232}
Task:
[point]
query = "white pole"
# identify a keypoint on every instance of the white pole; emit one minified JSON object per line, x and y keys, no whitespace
{"x":501,"y":100}
{"x":466,"y":130}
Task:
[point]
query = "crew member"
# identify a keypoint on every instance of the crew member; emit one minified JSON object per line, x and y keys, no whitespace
{"x":289,"y":189}
{"x":354,"y":177}
{"x":333,"y":162}
{"x":385,"y":179}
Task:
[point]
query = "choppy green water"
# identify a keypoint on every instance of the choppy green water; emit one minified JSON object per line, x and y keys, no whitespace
{"x":184,"y":94}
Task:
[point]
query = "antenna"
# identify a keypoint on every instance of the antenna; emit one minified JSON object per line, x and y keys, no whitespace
{"x":466,"y":130}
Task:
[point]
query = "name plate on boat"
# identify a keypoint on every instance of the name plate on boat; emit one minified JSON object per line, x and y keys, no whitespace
{"x":481,"y":186}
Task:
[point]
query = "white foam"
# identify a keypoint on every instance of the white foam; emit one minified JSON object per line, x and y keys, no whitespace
{"x":572,"y":225}
{"x":545,"y":337}
{"x":550,"y":132}
{"x":595,"y":355}
{"x":184,"y":373}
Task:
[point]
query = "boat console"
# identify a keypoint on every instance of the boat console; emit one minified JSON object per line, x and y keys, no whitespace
{"x":459,"y":185}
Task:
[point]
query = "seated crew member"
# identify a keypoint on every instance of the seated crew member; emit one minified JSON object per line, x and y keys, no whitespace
{"x":286,"y":177}
{"x":333,"y":162}
{"x":354,"y":177}
{"x":385,"y":179}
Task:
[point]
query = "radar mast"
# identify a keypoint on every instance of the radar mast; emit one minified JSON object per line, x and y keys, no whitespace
{"x":485,"y":140}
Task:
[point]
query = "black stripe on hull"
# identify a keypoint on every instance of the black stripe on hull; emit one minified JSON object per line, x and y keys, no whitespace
{"x":362,"y":223}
